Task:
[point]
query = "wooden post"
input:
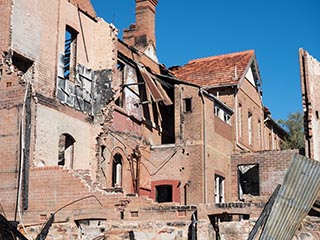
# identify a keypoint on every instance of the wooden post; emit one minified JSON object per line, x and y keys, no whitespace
{"x":137,"y":156}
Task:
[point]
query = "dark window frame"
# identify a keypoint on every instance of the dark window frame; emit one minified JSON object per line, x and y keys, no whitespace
{"x":164,"y":193}
{"x":187,"y":105}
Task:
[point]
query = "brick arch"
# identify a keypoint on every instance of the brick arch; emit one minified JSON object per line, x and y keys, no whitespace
{"x":126,"y":179}
{"x":120,"y":151}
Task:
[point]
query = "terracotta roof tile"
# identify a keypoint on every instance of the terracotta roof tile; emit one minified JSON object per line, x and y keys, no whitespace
{"x":216,"y":70}
{"x":86,"y":6}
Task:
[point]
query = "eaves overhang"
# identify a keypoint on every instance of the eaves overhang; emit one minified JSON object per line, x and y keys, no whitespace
{"x":276,"y":125}
{"x":204,"y":90}
{"x":215,"y":99}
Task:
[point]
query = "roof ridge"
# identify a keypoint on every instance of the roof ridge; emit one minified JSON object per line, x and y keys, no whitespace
{"x":220,"y":56}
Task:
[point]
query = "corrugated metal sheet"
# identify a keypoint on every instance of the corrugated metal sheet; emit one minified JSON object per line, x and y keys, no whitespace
{"x":296,"y":196}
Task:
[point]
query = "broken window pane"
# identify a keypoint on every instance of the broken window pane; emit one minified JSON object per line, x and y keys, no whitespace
{"x":69,"y":59}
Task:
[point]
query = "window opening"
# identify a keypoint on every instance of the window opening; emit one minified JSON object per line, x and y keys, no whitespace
{"x":216,"y":110}
{"x":187,"y":105}
{"x":227,"y":118}
{"x":259,"y":134}
{"x":66,"y":150}
{"x":155,"y":111}
{"x":248,"y":177}
{"x":240,"y":120}
{"x":164,"y":193}
{"x":121,"y":75}
{"x":272,"y":138}
{"x":70,"y":52}
{"x":250,"y":128}
{"x":222,"y":114}
{"x":270,"y":141}
{"x":117,"y":171}
{"x":219,"y":189}
{"x":167,"y":122}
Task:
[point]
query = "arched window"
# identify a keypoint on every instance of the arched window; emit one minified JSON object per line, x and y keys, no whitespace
{"x":66,"y":150}
{"x":117,"y":170}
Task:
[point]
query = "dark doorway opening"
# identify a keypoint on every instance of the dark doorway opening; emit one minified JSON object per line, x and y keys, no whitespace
{"x":248,"y":180}
{"x":164,"y":193}
{"x":66,"y":150}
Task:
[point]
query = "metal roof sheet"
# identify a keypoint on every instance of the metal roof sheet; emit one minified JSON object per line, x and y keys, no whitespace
{"x":297,"y":194}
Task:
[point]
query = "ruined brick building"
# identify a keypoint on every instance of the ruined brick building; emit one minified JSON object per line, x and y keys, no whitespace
{"x":310,"y":80}
{"x":83,"y":112}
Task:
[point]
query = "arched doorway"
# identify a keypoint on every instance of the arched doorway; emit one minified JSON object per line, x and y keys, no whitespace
{"x":66,"y":150}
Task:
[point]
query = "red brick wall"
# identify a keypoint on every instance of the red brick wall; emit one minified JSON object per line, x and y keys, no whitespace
{"x":175,"y":189}
{"x":37,"y":33}
{"x":145,"y":18}
{"x":5,"y":12}
{"x":188,"y":165}
{"x":272,"y":168}
{"x":145,"y":24}
{"x":85,"y":5}
{"x":11,"y":98}
{"x":250,"y":101}
{"x":310,"y":86}
{"x":54,"y":187}
{"x":223,"y":129}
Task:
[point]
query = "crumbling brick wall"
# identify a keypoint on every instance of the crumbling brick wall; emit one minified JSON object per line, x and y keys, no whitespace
{"x":118,"y":214}
{"x":272,"y":168}
{"x":5,"y":11}
{"x":310,"y":86}
{"x":15,"y":97}
{"x":31,"y":38}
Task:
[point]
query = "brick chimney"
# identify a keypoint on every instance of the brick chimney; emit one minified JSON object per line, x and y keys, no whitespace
{"x":143,"y":31}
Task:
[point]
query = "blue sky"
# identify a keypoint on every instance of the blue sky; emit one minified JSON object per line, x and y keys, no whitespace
{"x":275,"y":29}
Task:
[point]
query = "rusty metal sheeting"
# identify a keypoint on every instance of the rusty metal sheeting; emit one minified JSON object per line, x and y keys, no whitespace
{"x":155,"y":89}
{"x":296,"y":196}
